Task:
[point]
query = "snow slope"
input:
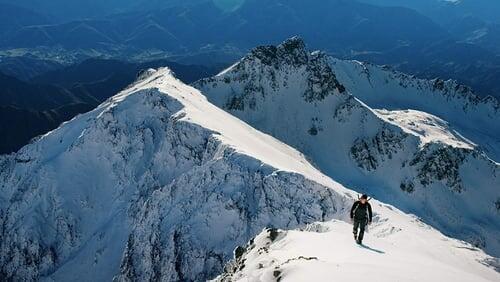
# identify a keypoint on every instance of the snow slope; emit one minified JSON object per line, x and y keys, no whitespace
{"x":427,"y":127}
{"x":404,"y":252}
{"x":418,"y":161}
{"x":476,"y":118}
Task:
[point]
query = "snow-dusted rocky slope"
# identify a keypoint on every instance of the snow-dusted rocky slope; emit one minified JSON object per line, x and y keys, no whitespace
{"x":416,"y":160}
{"x":476,"y":119}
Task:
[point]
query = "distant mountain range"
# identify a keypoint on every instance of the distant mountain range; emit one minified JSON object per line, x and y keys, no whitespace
{"x":465,"y":50}
{"x":446,"y":11}
{"x":471,"y":21}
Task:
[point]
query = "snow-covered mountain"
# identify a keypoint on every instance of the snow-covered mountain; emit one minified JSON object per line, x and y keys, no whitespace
{"x":428,"y":147}
{"x":159,"y":184}
{"x":156,"y":183}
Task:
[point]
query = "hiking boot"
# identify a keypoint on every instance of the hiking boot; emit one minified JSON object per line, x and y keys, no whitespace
{"x":355,"y":237}
{"x":359,"y":242}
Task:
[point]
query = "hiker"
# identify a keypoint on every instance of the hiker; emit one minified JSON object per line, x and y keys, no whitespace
{"x":361,"y":214}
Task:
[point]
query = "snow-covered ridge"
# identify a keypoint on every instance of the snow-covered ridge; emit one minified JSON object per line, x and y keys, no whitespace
{"x":426,"y":165}
{"x":405,"y":251}
{"x":451,"y":89}
{"x":379,"y":87}
{"x":154,"y":184}
{"x":321,"y":80}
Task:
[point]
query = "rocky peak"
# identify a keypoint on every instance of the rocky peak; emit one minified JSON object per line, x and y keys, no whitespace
{"x":290,"y":58}
{"x":292,"y":51}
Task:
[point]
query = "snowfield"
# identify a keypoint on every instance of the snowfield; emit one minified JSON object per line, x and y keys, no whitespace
{"x":427,"y":127}
{"x":395,"y":251}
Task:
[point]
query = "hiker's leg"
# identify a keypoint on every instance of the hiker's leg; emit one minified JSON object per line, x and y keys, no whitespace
{"x":355,"y":226}
{"x":362,"y":225}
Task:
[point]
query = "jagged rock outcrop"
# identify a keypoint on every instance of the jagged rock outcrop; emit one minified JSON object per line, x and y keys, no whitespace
{"x":276,"y":61}
{"x":369,"y":154}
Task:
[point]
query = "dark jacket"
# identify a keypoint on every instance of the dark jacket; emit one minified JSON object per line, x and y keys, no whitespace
{"x":361,"y":211}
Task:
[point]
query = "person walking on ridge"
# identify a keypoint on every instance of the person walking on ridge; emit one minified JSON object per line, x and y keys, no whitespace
{"x":361,"y":215}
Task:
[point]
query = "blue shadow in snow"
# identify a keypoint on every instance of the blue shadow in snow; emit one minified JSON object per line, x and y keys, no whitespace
{"x":372,"y":249}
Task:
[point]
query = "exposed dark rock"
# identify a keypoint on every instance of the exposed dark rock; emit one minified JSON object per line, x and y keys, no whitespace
{"x":276,"y":273}
{"x":273,"y":233}
{"x":440,"y":164}
{"x":408,"y":187}
{"x":239,"y":251}
{"x":313,"y":131}
{"x":370,"y":153}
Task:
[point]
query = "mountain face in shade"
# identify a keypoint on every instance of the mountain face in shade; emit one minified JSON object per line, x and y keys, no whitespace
{"x":28,"y":110}
{"x":428,"y":147}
